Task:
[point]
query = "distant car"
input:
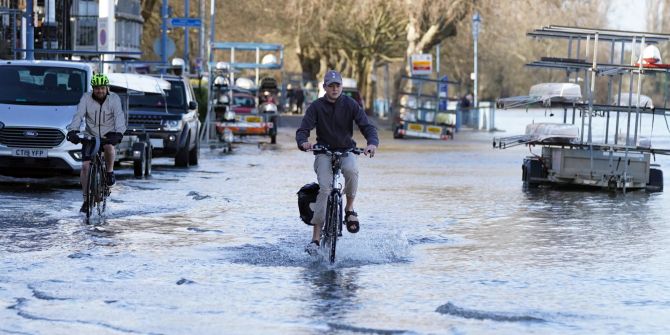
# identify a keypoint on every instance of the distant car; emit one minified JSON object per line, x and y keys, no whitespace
{"x":244,"y":103}
{"x":171,"y":122}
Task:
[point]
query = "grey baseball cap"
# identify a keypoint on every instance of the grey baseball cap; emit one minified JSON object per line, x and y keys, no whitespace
{"x":332,"y":76}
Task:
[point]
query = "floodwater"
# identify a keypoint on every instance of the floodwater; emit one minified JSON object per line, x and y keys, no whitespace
{"x":450,"y":243}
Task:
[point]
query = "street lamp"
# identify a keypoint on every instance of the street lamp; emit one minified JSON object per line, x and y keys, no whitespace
{"x":476,"y":20}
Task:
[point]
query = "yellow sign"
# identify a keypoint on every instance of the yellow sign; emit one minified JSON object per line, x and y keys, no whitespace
{"x":253,"y":119}
{"x":434,"y":130}
{"x":415,"y":127}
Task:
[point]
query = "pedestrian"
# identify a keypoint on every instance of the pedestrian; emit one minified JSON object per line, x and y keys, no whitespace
{"x":299,"y":99}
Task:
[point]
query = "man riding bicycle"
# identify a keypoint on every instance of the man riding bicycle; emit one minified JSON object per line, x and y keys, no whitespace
{"x":333,"y":116}
{"x":103,"y":116}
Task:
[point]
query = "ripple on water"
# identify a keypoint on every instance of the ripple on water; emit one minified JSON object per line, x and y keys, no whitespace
{"x":451,"y":309}
{"x":352,"y":329}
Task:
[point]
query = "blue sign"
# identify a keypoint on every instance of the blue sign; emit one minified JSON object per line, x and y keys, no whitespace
{"x":443,"y":94}
{"x":185,"y":22}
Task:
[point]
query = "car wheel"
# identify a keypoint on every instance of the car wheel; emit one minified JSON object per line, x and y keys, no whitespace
{"x":139,"y":164}
{"x":147,"y":168}
{"x":194,"y":154}
{"x":181,"y":158}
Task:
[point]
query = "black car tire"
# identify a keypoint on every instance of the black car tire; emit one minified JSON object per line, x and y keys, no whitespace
{"x":194,"y":154}
{"x":139,"y":165}
{"x":149,"y":156}
{"x":181,"y":158}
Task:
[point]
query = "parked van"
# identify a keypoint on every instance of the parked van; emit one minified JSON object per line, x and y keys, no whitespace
{"x":37,"y":101}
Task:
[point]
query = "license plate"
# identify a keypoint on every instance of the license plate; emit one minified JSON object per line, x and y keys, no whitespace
{"x":33,"y":153}
{"x":415,"y":127}
{"x":156,"y":142}
{"x":253,"y":119}
{"x":434,"y":130}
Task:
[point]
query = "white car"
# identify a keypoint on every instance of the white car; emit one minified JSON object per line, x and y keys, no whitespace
{"x":37,"y":101}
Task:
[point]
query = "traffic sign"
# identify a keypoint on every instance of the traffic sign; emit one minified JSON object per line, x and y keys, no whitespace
{"x":185,"y":22}
{"x":170,"y":47}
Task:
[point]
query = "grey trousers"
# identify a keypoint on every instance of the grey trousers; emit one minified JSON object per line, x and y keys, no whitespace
{"x":324,"y":174}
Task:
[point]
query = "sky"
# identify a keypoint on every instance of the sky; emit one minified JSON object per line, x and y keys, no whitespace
{"x":628,"y":15}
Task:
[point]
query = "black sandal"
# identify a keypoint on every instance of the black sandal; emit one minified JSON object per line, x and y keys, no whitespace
{"x":352,"y":226}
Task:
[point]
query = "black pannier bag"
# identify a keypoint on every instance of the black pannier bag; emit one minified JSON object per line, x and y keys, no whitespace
{"x":306,"y":196}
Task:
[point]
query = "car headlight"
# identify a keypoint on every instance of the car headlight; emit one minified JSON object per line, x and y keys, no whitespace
{"x":172,"y":125}
{"x":229,"y":115}
{"x":76,"y":154}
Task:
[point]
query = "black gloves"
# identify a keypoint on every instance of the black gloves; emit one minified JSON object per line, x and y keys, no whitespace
{"x":114,"y":138}
{"x":72,"y":137}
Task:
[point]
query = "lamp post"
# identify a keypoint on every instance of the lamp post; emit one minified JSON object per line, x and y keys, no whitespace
{"x":476,"y":20}
{"x":164,"y":16}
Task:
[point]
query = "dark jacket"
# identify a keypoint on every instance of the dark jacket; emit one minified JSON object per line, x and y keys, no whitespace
{"x":334,"y":123}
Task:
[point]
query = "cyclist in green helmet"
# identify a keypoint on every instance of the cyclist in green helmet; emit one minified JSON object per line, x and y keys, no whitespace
{"x":103,"y":117}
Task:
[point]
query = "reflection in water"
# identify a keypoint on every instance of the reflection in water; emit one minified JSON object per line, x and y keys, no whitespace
{"x":333,"y":292}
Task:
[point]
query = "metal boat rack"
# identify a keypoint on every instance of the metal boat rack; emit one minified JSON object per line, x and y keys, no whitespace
{"x":624,"y":71}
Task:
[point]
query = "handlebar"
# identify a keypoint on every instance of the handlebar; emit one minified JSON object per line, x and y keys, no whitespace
{"x":101,"y":140}
{"x":325,"y":150}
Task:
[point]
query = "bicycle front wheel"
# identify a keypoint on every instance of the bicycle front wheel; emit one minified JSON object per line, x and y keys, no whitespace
{"x":332,"y":224}
{"x":91,"y":190}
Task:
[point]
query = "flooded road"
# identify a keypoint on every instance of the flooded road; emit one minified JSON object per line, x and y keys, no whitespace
{"x":450,"y":243}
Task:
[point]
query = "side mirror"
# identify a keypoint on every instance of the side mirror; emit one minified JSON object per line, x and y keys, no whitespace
{"x":192,"y":105}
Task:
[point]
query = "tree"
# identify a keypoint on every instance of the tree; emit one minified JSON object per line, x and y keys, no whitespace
{"x":352,"y":37}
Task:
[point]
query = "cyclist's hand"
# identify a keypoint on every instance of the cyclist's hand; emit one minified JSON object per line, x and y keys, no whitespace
{"x":72,"y":137}
{"x":370,"y":150}
{"x":114,"y":138}
{"x":307,"y":146}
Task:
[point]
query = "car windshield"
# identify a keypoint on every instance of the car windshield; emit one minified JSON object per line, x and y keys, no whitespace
{"x":244,"y":101}
{"x":41,"y":85}
{"x":174,"y":98}
{"x":150,"y":100}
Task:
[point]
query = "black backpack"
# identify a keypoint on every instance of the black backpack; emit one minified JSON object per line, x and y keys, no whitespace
{"x":306,"y":196}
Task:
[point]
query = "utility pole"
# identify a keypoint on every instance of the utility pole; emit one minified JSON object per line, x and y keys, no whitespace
{"x":164,"y":16}
{"x":201,"y":34}
{"x":187,"y":31}
{"x":30,"y":30}
{"x":476,"y":20}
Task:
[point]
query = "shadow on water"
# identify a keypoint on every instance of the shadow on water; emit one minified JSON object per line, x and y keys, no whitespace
{"x":37,"y":186}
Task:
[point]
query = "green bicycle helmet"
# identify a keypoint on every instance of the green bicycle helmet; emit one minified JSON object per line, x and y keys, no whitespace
{"x":99,"y":79}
